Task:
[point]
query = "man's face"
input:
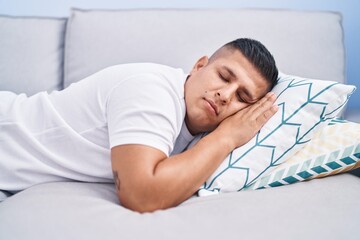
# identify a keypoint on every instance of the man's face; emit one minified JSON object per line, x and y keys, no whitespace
{"x":218,"y":88}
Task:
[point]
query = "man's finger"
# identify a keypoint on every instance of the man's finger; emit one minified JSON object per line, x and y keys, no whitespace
{"x":263,"y":104}
{"x":266,"y":115}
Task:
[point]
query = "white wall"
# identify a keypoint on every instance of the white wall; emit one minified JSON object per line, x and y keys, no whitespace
{"x":350,"y":10}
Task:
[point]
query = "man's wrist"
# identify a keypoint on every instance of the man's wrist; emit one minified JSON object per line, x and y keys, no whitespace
{"x":223,"y":140}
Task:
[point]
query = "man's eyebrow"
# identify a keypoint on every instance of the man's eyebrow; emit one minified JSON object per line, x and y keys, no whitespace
{"x":247,"y":93}
{"x":230,"y":71}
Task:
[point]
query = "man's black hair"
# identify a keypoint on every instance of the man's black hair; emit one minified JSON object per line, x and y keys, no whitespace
{"x":259,"y":56}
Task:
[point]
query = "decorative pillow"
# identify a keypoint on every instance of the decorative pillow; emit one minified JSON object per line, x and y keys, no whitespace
{"x":334,"y":149}
{"x":305,"y":106}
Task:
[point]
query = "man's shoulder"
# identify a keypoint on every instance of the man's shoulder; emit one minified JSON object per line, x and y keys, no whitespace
{"x":143,"y":73}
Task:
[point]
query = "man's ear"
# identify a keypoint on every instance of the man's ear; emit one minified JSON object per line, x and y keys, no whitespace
{"x":202,"y":62}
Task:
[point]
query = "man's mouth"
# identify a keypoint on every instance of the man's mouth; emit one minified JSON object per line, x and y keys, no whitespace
{"x":213,"y":106}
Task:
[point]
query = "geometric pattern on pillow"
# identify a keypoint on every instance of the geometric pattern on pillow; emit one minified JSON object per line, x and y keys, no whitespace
{"x":305,"y":106}
{"x":334,"y":149}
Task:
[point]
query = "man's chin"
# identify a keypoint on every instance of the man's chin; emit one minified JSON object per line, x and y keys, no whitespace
{"x":208,"y":129}
{"x":198,"y":127}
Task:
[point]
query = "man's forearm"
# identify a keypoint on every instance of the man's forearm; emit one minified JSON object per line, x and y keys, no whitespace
{"x":178,"y":177}
{"x":146,"y":180}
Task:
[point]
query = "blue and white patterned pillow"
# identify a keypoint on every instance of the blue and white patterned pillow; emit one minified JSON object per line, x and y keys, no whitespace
{"x":305,"y":106}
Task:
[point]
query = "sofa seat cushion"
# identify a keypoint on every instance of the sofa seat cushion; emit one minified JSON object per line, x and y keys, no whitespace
{"x":322,"y":208}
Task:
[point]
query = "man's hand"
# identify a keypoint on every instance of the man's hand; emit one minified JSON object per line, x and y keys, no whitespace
{"x":243,"y":125}
{"x":147,"y":180}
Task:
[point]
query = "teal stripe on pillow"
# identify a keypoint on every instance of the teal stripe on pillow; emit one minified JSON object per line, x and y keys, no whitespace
{"x":348,"y":160}
{"x":291,"y":179}
{"x":333,"y":165}
{"x":319,"y":169}
{"x":276,"y":184}
{"x":305,"y":174}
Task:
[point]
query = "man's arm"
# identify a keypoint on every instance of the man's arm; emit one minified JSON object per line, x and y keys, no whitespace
{"x":147,"y":180}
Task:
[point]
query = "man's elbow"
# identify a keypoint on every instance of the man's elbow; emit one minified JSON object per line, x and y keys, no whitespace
{"x":140,"y":202}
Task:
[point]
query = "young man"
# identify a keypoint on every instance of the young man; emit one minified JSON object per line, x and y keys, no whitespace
{"x":132,"y":123}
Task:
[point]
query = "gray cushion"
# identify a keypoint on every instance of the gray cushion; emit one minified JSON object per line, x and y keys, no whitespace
{"x":307,"y":44}
{"x":31,"y":51}
{"x":319,"y":209}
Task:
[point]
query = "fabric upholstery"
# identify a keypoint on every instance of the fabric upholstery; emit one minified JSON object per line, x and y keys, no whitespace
{"x":323,"y":209}
{"x":31,"y":51}
{"x":96,"y":39}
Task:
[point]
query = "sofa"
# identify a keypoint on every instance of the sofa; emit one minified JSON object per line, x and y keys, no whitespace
{"x":47,"y":54}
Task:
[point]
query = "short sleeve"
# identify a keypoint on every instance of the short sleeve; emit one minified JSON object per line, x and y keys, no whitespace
{"x":144,"y":109}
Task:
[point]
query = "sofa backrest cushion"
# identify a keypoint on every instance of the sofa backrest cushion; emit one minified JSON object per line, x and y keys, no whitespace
{"x":308,"y":44}
{"x":31,"y":51}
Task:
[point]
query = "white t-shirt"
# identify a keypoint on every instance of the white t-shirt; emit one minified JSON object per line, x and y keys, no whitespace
{"x":67,"y":135}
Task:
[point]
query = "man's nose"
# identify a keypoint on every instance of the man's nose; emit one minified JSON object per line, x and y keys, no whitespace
{"x":226,"y":94}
